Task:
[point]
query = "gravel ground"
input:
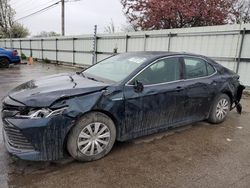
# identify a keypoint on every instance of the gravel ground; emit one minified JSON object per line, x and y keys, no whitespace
{"x":197,"y":155}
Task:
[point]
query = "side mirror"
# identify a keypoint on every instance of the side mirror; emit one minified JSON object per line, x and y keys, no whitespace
{"x":138,"y":86}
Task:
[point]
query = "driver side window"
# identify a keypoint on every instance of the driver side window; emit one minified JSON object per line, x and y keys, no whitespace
{"x":164,"y":70}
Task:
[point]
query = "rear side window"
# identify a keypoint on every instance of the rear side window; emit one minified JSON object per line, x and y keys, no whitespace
{"x":210,"y":69}
{"x":195,"y":68}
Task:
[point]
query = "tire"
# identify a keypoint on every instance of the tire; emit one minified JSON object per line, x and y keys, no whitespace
{"x":4,"y":62}
{"x":220,"y":109}
{"x":92,"y":137}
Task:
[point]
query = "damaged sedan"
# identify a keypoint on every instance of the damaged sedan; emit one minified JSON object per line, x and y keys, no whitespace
{"x":118,"y":99}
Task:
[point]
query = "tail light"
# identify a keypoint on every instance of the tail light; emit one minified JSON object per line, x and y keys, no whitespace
{"x":15,"y":52}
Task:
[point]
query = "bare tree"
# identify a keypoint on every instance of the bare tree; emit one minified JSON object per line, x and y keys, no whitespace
{"x":8,"y":27}
{"x":47,"y":34}
{"x":6,"y":17}
{"x":127,"y":27}
{"x":110,"y":28}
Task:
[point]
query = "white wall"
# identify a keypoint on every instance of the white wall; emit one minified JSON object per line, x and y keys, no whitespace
{"x":219,"y":42}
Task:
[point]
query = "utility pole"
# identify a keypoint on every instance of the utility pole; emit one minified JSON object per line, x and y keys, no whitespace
{"x":63,"y":17}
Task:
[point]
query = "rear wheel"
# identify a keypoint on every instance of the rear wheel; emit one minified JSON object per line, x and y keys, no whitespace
{"x":220,"y":109}
{"x":92,"y":138}
{"x":4,"y":62}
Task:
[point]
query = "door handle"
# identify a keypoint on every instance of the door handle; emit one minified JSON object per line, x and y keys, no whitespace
{"x":178,"y":88}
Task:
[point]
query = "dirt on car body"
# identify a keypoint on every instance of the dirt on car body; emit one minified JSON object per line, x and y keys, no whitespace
{"x":198,"y":155}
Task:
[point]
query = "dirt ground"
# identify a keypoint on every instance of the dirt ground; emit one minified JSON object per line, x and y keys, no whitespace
{"x":198,"y":155}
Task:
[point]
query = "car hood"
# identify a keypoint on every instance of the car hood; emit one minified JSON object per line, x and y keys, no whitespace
{"x":43,"y":92}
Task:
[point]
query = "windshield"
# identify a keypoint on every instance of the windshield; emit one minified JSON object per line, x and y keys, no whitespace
{"x":116,"y":68}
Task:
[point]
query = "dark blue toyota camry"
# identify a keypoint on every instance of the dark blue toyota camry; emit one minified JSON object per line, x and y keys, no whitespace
{"x":120,"y":98}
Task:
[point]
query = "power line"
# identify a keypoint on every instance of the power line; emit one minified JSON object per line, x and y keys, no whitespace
{"x":29,"y":9}
{"x":48,"y":7}
{"x":32,"y":6}
{"x":21,"y":4}
{"x":39,"y":11}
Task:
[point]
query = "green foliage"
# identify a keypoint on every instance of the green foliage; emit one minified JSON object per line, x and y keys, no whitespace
{"x":47,"y":60}
{"x":9,"y":28}
{"x":19,"y":31}
{"x":23,"y":56}
{"x":115,"y":50}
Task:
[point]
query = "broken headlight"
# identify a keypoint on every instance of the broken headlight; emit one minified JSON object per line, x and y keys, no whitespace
{"x":43,"y":113}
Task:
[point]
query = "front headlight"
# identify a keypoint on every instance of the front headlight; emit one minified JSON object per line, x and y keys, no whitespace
{"x":43,"y":113}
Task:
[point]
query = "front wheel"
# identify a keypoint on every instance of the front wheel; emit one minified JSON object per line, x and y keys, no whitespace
{"x":92,"y":137}
{"x":220,"y":109}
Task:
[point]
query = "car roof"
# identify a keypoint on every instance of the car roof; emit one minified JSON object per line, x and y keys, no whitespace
{"x":159,"y":54}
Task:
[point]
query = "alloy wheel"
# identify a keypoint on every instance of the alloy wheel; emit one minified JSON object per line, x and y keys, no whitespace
{"x":93,"y":139}
{"x":222,"y":109}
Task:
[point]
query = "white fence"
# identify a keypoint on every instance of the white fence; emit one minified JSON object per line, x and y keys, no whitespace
{"x":228,"y":44}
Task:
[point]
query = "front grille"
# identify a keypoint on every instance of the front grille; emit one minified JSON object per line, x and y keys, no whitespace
{"x":15,"y":138}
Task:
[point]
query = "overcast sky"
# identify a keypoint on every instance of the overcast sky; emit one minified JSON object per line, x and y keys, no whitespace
{"x":80,"y":16}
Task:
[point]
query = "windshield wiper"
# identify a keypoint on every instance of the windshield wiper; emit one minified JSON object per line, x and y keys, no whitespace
{"x":91,"y":78}
{"x":80,"y":73}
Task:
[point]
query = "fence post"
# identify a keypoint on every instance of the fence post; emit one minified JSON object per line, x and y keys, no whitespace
{"x":169,"y":41}
{"x":73,"y":51}
{"x":20,"y":45}
{"x":11,"y":42}
{"x":30,"y":49}
{"x":145,"y":42}
{"x":5,"y":43}
{"x":56,"y":51}
{"x":243,"y":32}
{"x":126,"y":43}
{"x":42,"y":47}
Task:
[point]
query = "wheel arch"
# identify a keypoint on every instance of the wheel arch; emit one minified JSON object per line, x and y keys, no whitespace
{"x":4,"y":56}
{"x":226,"y":92}
{"x":229,"y":94}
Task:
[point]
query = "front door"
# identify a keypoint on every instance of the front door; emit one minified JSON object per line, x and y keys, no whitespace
{"x":161,"y":102}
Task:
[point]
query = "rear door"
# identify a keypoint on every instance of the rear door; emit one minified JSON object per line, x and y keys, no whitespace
{"x":200,"y":87}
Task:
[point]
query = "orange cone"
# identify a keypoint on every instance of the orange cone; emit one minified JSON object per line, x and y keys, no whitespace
{"x":30,"y":61}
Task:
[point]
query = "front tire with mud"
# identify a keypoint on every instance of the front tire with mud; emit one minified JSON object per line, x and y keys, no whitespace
{"x":92,"y":137}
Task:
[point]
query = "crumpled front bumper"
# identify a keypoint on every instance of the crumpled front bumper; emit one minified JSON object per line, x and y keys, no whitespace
{"x":238,"y":106}
{"x":37,"y":139}
{"x":20,"y":153}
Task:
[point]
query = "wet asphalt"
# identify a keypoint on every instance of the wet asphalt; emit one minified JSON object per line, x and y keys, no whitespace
{"x":197,"y":155}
